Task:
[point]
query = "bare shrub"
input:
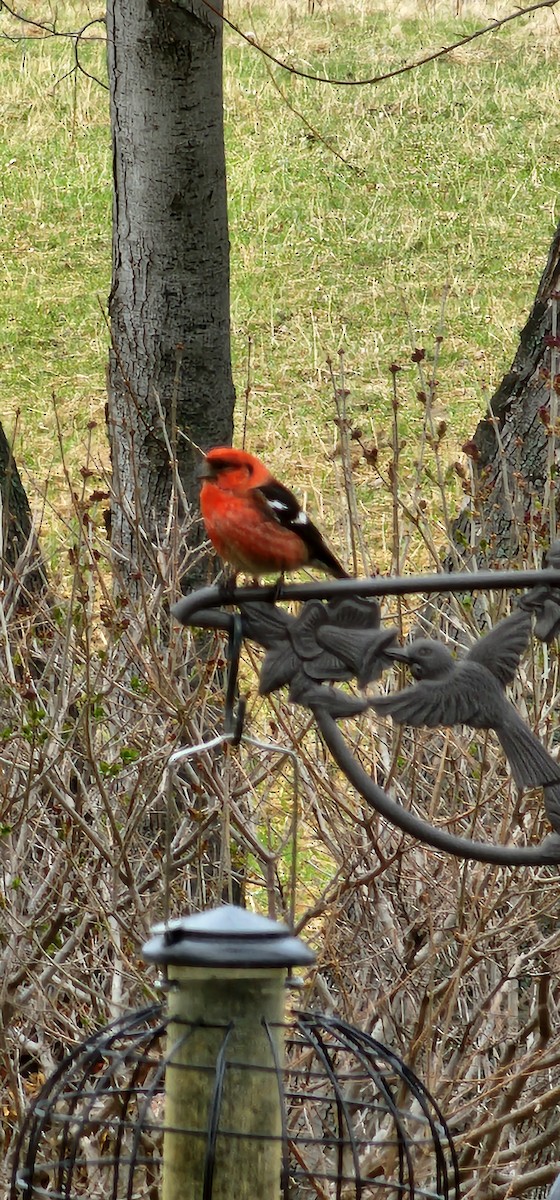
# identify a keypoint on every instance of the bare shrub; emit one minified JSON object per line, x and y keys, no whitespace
{"x":454,"y":965}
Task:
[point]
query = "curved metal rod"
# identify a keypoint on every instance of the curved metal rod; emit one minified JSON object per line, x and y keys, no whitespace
{"x":473,"y":581}
{"x":505,"y":856}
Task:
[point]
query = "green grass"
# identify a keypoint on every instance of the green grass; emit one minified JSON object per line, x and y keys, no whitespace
{"x":453,"y":180}
{"x":54,"y":251}
{"x":458,"y":183}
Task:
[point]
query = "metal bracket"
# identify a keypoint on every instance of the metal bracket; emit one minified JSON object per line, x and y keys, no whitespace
{"x":339,"y":640}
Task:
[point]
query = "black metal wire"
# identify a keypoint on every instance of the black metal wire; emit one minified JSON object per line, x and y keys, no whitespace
{"x":313,"y":1034}
{"x":214,"y":1115}
{"x":381,"y":1083}
{"x":117,"y":1060}
{"x":285,"y":1176}
{"x":365,"y":1047}
{"x":352,"y":1080}
{"x":233,"y":720}
{"x":421,"y":1095}
{"x":41,"y":1109}
{"x":149,"y":1094}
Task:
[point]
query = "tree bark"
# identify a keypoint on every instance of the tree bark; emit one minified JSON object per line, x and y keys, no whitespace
{"x":169,"y":301}
{"x":23,"y":571}
{"x":512,"y":452}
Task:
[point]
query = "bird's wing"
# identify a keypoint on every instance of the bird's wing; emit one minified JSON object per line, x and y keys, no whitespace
{"x":281,"y":505}
{"x":279,"y":502}
{"x":455,"y":700}
{"x":425,"y":703}
{"x":501,"y":649}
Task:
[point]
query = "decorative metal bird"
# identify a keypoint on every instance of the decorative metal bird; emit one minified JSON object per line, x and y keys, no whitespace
{"x":471,"y":691}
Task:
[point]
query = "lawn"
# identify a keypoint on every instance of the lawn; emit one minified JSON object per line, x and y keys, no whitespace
{"x":353,"y":211}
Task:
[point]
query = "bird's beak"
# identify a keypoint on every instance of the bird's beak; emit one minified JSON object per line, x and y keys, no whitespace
{"x":205,"y":470}
{"x":399,"y":653}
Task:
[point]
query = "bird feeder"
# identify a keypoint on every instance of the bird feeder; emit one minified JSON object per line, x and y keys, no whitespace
{"x":222,"y":1097}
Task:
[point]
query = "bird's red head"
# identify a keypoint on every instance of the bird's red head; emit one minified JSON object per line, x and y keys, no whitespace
{"x":233,"y":470}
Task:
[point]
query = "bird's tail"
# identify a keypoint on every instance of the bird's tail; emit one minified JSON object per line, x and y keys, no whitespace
{"x":551,"y":796}
{"x":531,"y":765}
{"x":333,"y":566}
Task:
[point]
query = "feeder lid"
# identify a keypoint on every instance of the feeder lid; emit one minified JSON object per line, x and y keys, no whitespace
{"x":226,"y":937}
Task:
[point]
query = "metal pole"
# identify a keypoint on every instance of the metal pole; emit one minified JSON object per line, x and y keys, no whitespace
{"x":226,"y":974}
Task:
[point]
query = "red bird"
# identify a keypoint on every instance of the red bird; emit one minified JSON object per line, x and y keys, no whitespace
{"x":254,"y":522}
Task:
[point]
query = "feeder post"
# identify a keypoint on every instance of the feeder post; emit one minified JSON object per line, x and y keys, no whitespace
{"x":226,"y":973}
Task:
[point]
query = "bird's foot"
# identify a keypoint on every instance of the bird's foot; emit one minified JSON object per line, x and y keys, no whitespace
{"x":228,"y":586}
{"x":278,"y":589}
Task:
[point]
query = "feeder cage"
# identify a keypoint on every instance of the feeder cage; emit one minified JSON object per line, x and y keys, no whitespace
{"x":199,"y":1102}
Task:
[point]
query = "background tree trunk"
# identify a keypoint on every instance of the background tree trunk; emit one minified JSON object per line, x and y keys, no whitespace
{"x":23,"y":570}
{"x":169,"y":301}
{"x":512,"y":449}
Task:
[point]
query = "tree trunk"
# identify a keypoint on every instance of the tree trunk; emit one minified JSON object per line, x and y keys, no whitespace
{"x":23,"y":572}
{"x":513,"y":449}
{"x":169,"y":302}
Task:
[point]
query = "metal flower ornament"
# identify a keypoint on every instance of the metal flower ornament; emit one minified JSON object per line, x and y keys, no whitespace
{"x":339,"y":637}
{"x":333,"y":642}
